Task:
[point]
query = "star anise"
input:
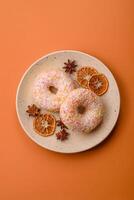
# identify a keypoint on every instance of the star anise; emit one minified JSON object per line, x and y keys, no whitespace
{"x":62,"y":135}
{"x":61,"y":124}
{"x":70,"y":66}
{"x":33,"y":110}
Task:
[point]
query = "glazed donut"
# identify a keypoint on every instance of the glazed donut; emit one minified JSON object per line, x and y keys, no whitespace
{"x":51,"y":88}
{"x":82,"y":111}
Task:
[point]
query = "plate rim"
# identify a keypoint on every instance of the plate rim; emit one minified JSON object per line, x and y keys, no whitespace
{"x":28,"y":69}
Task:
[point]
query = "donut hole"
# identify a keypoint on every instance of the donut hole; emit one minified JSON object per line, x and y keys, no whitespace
{"x":53,"y":89}
{"x":81,"y":109}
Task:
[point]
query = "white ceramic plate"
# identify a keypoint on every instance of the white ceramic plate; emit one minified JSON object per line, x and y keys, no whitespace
{"x":76,"y":142}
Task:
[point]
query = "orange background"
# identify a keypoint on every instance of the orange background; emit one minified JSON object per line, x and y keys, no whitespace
{"x":28,"y":30}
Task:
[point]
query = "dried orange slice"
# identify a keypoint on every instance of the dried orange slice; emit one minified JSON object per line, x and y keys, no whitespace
{"x":84,"y":74}
{"x":44,"y":124}
{"x":99,"y":84}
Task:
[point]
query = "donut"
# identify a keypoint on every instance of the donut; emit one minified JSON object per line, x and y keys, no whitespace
{"x":82,"y":111}
{"x":51,"y":88}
